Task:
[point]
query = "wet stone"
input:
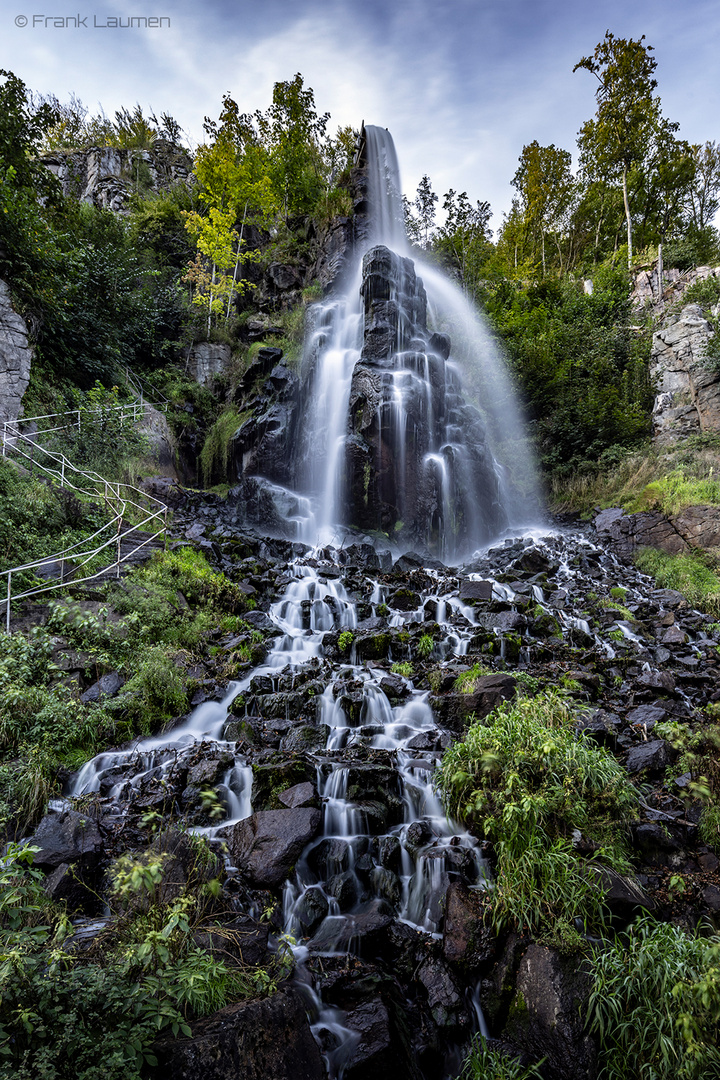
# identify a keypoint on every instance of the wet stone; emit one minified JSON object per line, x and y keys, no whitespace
{"x":654,"y":756}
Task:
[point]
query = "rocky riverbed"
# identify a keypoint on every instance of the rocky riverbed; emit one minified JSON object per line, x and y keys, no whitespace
{"x":320,"y":751}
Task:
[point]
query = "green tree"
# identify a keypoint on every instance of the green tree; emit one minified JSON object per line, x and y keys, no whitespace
{"x":627,"y":116}
{"x":425,"y":205}
{"x":546,"y":188}
{"x":292,"y":132}
{"x":465,"y":237}
{"x":234,"y":187}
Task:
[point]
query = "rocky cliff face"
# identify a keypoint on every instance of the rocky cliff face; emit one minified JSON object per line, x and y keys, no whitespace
{"x":15,"y":357}
{"x":417,"y":456}
{"x":688,"y":390}
{"x":107,"y":176}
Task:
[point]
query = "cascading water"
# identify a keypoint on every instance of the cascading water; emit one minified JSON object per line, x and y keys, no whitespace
{"x":388,"y":441}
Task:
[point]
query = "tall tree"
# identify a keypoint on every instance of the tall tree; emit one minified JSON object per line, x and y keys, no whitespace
{"x":464,"y":238}
{"x":627,"y":113}
{"x":705,"y":192}
{"x":425,"y":206}
{"x":293,"y":133}
{"x":546,"y":188}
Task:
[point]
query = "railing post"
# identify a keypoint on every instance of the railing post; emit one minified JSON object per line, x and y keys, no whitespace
{"x":78,"y":419}
{"x":9,"y":593}
{"x":4,"y":436}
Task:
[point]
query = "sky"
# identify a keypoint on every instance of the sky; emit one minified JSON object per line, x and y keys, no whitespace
{"x":462,"y":85}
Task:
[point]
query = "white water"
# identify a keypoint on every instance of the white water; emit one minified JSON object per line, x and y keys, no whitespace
{"x":447,"y":467}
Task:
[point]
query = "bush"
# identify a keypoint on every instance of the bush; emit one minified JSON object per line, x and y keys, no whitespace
{"x":655,"y":1002}
{"x":488,"y":1063}
{"x":524,"y":779}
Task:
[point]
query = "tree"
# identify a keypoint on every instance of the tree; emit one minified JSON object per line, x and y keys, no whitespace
{"x":465,"y":237}
{"x":705,"y":191}
{"x":546,"y":188}
{"x":627,"y":115}
{"x":233,"y":188}
{"x":425,"y":206}
{"x":292,"y":133}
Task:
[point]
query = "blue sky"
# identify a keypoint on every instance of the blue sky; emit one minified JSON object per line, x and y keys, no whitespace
{"x":461,"y":84}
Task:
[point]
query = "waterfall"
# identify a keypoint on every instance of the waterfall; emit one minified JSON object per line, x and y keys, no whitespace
{"x":389,"y":441}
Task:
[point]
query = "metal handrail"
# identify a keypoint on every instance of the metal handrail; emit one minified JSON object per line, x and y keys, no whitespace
{"x":120,"y":496}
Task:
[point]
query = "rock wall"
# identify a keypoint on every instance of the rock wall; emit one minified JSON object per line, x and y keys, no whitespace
{"x":695,"y":527}
{"x":15,"y":357}
{"x":107,"y":176}
{"x":688,"y":391}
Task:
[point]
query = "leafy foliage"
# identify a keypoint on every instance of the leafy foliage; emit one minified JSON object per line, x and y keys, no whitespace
{"x":485,"y":1062}
{"x":525,"y":779}
{"x":656,"y":1002}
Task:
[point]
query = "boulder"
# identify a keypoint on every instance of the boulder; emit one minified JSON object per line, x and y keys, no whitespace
{"x":466,"y":941}
{"x":267,"y":845}
{"x":654,"y":756}
{"x":66,"y":836}
{"x":255,"y":1040}
{"x":547,"y":1015}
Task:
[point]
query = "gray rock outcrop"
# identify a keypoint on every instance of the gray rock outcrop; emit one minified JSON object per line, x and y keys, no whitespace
{"x":207,"y":359}
{"x":688,"y":390}
{"x":106,"y":176}
{"x":16,"y":355}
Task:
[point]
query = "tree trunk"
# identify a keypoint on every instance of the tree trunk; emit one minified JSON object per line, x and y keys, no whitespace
{"x":660,"y":271}
{"x":627,"y":216}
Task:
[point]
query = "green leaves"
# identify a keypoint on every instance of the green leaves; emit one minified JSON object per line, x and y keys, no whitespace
{"x":524,"y":779}
{"x":656,"y":1001}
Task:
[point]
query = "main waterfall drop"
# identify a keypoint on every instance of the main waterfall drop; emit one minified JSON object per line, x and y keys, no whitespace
{"x":389,"y":442}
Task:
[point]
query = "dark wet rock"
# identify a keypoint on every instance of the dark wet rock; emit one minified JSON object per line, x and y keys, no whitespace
{"x":299,"y":795}
{"x":65,"y":885}
{"x":267,"y":845}
{"x":535,"y":561}
{"x":621,"y":892}
{"x":256,"y":1040}
{"x":674,"y":635}
{"x":66,"y":836}
{"x":654,"y":756}
{"x":343,"y":888}
{"x":467,"y":942}
{"x":106,"y":686}
{"x":504,"y":621}
{"x":377,"y":1052}
{"x":454,"y":710}
{"x":473,"y":591}
{"x":311,"y":909}
{"x":646,"y":716}
{"x":657,"y":680}
{"x":657,"y":842}
{"x":711,"y":898}
{"x":239,"y":941}
{"x":445,"y":998}
{"x":547,"y":1015}
{"x":364,"y":931}
{"x":404,"y":600}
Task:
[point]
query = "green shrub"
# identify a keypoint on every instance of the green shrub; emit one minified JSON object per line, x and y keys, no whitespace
{"x":345,"y":641}
{"x":488,"y":1063}
{"x":525,"y":779}
{"x":425,"y":646}
{"x":466,"y":682}
{"x":215,"y":453}
{"x":655,"y":1002}
{"x":403,"y":667}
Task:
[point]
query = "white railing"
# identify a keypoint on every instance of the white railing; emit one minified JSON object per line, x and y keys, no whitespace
{"x":120,"y":500}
